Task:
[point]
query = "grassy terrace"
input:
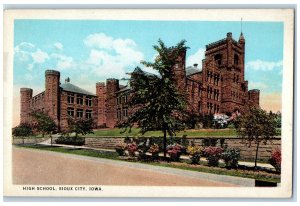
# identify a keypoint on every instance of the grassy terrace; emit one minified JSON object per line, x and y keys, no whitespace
{"x":190,"y":133}
{"x":185,"y":165}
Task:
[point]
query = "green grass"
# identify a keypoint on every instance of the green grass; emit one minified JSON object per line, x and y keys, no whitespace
{"x":190,"y":133}
{"x":184,"y":165}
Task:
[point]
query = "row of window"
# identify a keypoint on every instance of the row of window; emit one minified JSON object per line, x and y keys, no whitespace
{"x":122,"y":99}
{"x":236,"y":78}
{"x":212,"y":108}
{"x":236,"y":95}
{"x":80,"y":113}
{"x":192,"y":86}
{"x":79,"y":100}
{"x":213,"y":78}
{"x":213,"y":93}
{"x":122,"y":113}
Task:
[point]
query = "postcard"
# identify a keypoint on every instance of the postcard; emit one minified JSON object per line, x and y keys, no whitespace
{"x":148,"y":103}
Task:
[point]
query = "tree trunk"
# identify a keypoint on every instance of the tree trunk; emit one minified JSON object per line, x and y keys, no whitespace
{"x":256,"y":155}
{"x":165,"y":144}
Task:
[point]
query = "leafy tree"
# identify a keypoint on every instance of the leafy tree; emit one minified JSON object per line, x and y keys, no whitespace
{"x":80,"y":126}
{"x":157,"y":103}
{"x":257,"y":126}
{"x":23,"y":130}
{"x":44,"y":123}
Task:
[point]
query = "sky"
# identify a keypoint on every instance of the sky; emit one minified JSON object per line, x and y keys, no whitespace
{"x":89,"y":51}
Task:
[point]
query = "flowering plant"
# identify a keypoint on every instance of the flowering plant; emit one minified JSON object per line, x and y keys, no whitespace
{"x":231,"y":157}
{"x":174,"y":151}
{"x":194,"y":153}
{"x":213,"y":155}
{"x":275,"y":159}
{"x":120,"y":148}
{"x":154,"y":150}
{"x":132,"y":148}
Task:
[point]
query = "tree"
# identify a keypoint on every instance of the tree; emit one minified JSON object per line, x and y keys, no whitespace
{"x":157,"y":103}
{"x":44,"y":123}
{"x":80,"y":126}
{"x":23,"y":130}
{"x":257,"y":126}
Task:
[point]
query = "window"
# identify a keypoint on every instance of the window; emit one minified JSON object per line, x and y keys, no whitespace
{"x":79,"y":113}
{"x":88,"y":114}
{"x":236,"y":59}
{"x":70,"y":112}
{"x":119,"y":114}
{"x":218,"y":59}
{"x":125,"y":98}
{"x":80,"y":99}
{"x":88,"y":101}
{"x":71,"y":98}
{"x":125,"y":114}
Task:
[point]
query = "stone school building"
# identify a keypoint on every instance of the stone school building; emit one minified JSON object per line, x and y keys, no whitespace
{"x":219,"y":87}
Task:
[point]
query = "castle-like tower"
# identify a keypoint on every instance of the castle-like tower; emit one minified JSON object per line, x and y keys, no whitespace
{"x":26,"y":95}
{"x":101,"y":97}
{"x":52,"y":95}
{"x":223,"y":77}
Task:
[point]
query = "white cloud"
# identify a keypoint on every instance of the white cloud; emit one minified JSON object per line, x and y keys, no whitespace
{"x":196,"y":58}
{"x":264,"y":65}
{"x":24,"y":46}
{"x":99,"y":40}
{"x":58,"y":45}
{"x":39,"y":56}
{"x":111,"y":57}
{"x":63,"y":62}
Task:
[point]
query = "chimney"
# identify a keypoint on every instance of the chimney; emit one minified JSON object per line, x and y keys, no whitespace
{"x":67,"y":80}
{"x":195,"y":65}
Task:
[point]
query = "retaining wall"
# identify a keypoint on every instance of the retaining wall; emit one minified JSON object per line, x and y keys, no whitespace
{"x":231,"y":142}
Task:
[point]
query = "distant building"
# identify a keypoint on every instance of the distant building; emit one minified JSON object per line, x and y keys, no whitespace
{"x":220,"y":87}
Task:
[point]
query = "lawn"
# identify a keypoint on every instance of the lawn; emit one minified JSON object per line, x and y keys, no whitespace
{"x":190,"y":133}
{"x":185,"y":165}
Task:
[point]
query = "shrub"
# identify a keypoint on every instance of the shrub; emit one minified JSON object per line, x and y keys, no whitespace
{"x":132,"y":148}
{"x":142,"y":147}
{"x":174,"y":151}
{"x":120,"y":149}
{"x":275,"y":159}
{"x":213,"y":155}
{"x":231,"y":157}
{"x":154,"y":150}
{"x":78,"y":141}
{"x":194,"y":153}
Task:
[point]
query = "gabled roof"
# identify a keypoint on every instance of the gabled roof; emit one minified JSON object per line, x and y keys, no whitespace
{"x":191,"y":71}
{"x":124,"y":88}
{"x":72,"y":88}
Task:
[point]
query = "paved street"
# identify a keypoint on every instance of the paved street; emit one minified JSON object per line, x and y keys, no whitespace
{"x":43,"y":167}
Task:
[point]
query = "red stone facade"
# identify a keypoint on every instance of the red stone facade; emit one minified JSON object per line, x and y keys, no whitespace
{"x":220,"y":87}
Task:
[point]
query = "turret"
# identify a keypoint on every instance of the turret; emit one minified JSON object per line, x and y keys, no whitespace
{"x":52,"y":101}
{"x":112,"y":86}
{"x":180,"y":73}
{"x":26,"y":95}
{"x":101,"y":95}
{"x":254,"y":98}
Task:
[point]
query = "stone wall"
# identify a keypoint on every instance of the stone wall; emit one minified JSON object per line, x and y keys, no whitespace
{"x":29,"y":140}
{"x":231,"y":142}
